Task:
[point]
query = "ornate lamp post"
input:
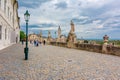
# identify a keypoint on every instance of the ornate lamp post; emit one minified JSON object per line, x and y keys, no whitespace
{"x":27,"y":17}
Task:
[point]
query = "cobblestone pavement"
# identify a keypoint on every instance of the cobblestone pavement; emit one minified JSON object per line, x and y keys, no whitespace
{"x":57,"y":63}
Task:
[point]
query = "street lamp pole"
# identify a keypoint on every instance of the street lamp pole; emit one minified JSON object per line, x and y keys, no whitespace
{"x":26,"y":49}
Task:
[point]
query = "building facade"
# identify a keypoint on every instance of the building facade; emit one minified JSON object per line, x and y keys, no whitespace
{"x":9,"y":23}
{"x":33,"y":37}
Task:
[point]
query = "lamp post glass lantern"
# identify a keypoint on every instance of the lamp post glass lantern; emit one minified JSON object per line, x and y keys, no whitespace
{"x":27,"y":16}
{"x":26,"y":49}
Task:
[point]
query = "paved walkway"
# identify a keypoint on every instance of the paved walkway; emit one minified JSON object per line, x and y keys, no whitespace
{"x":57,"y":63}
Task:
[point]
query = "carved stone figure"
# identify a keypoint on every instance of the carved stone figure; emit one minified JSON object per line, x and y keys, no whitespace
{"x":105,"y":38}
{"x":71,"y":36}
{"x":49,"y":37}
{"x":72,"y":27}
{"x":104,"y":47}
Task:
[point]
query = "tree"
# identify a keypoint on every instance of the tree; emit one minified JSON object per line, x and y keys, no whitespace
{"x":22,"y":35}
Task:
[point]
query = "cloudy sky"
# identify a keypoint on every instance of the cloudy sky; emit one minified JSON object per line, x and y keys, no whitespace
{"x":92,"y":18}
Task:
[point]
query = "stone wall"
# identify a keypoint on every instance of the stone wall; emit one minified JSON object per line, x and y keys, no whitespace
{"x":59,"y":44}
{"x":91,"y":47}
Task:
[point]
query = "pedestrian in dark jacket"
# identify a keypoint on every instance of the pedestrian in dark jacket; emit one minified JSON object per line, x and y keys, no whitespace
{"x":44,"y":42}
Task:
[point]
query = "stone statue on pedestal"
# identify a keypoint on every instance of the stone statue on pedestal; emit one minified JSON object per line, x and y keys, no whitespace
{"x":49,"y":37}
{"x":72,"y":27}
{"x":104,"y":47}
{"x":71,"y":36}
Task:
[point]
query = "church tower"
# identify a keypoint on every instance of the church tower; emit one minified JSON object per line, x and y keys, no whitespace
{"x":59,"y":32}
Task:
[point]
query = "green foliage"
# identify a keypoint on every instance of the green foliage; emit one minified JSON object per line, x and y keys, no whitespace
{"x":99,"y":42}
{"x":116,"y":42}
{"x":22,"y":35}
{"x":85,"y":41}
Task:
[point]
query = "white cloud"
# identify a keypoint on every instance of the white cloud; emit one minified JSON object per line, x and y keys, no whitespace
{"x":100,"y":26}
{"x":94,"y":3}
{"x":49,"y":28}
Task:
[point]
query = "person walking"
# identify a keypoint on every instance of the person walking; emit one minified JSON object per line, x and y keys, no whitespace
{"x":37,"y":43}
{"x":44,"y":42}
{"x":22,"y":41}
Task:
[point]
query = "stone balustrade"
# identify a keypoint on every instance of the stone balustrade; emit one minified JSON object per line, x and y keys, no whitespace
{"x":113,"y":50}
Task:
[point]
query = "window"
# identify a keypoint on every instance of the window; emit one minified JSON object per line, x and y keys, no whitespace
{"x":5,"y":5}
{"x":8,"y":12}
{"x":10,"y":16}
{"x":0,"y":32}
{"x":5,"y":33}
{"x":0,"y":3}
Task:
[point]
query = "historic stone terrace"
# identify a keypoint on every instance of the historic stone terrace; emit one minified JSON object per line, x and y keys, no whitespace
{"x":57,"y":63}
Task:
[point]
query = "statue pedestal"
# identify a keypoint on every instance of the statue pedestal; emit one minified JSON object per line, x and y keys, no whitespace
{"x":70,"y":44}
{"x":71,"y":40}
{"x":49,"y":40}
{"x":58,"y":40}
{"x":104,"y":48}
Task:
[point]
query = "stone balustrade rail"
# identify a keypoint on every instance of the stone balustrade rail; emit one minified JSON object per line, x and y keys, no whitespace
{"x":113,"y":50}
